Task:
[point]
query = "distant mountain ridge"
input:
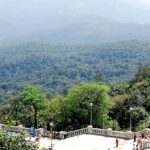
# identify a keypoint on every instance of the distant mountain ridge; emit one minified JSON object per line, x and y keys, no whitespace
{"x":73,"y":21}
{"x":94,"y":32}
{"x":87,"y":31}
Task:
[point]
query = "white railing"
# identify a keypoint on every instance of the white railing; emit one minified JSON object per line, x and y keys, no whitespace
{"x":77,"y":132}
{"x":19,"y":129}
{"x":46,"y":133}
{"x":111,"y":133}
{"x":146,"y":144}
{"x":88,"y":130}
{"x":101,"y":132}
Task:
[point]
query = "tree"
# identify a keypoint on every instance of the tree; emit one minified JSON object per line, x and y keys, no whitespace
{"x":136,"y":95}
{"x":33,"y":98}
{"x":16,"y":109}
{"x":99,"y":77}
{"x":5,"y":115}
{"x":143,"y":72}
{"x":77,"y":105}
{"x":53,"y":113}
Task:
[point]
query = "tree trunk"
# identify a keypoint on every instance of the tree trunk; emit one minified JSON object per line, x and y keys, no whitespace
{"x":35,"y":118}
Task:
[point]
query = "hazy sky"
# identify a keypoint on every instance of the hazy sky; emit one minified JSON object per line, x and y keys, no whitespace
{"x":23,"y":16}
{"x":146,"y":1}
{"x":38,"y":9}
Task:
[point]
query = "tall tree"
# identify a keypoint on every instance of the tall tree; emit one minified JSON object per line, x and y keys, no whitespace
{"x":77,"y":105}
{"x":34,"y":98}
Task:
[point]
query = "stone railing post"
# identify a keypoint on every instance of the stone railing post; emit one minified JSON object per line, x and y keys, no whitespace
{"x":144,"y":144}
{"x":109,"y":132}
{"x":62,"y":135}
{"x":40,"y":131}
{"x":90,"y":129}
{"x":129,"y":135}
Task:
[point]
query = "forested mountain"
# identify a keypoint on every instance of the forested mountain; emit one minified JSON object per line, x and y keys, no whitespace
{"x":57,"y":67}
{"x":74,"y":21}
{"x":92,"y":29}
{"x":111,"y":106}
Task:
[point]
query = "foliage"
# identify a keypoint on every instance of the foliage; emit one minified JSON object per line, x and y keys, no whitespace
{"x":25,"y":109}
{"x":111,"y":106}
{"x":136,"y":95}
{"x":53,"y":113}
{"x":15,"y":142}
{"x":56,"y":68}
{"x":77,"y":105}
{"x":142,"y":73}
{"x":34,"y":99}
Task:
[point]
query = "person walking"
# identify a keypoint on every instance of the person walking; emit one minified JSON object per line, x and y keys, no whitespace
{"x":117,"y":143}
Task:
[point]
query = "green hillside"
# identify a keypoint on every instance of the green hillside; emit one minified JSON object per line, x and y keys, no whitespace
{"x":111,"y":106}
{"x":58,"y":67}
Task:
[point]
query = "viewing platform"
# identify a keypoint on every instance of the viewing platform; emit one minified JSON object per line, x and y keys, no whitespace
{"x":89,"y":137}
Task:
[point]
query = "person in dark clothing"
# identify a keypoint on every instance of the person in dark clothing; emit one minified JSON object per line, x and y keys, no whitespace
{"x":135,"y":137}
{"x":117,"y":143}
{"x":143,"y":135}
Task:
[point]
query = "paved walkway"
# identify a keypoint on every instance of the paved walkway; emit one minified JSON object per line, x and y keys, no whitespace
{"x":86,"y":142}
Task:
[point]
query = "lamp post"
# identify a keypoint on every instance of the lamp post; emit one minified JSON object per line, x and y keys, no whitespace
{"x":131,"y":109}
{"x":51,"y":125}
{"x":91,"y":104}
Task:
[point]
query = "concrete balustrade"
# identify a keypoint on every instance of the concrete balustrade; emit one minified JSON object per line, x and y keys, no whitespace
{"x":19,"y":129}
{"x":46,"y":133}
{"x":101,"y":132}
{"x":146,"y":145}
{"x":16,"y":129}
{"x":111,"y":133}
{"x":89,"y":130}
{"x":77,"y":132}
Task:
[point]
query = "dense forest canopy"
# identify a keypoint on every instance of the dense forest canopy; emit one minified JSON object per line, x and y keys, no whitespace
{"x":111,"y":106}
{"x":55,"y":68}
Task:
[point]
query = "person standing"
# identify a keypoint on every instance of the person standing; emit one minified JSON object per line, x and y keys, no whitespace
{"x":32,"y":132}
{"x":135,"y":137}
{"x":117,"y":143}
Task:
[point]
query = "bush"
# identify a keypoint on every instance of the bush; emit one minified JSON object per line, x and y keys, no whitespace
{"x":15,"y":142}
